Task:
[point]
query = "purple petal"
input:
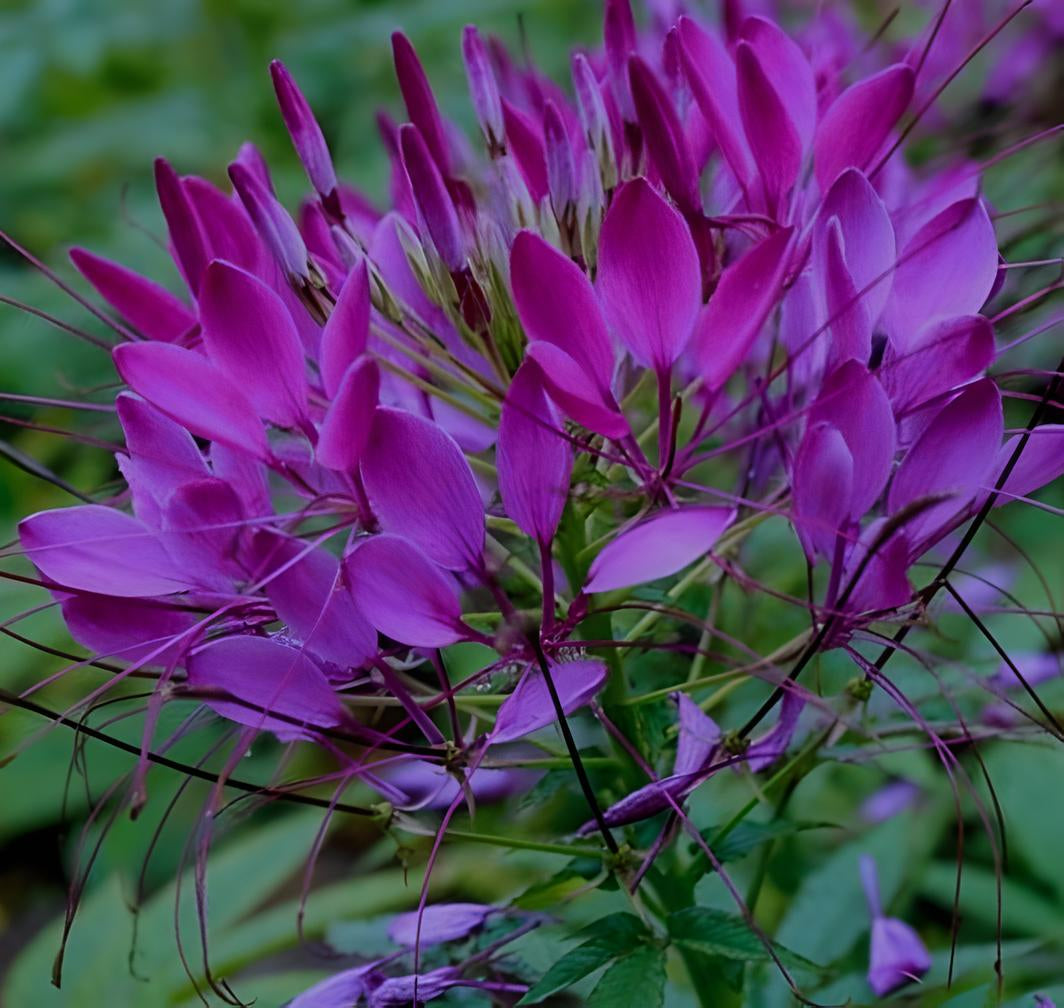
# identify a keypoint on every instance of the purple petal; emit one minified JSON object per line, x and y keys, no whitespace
{"x":310,"y":595}
{"x":664,"y":137}
{"x":699,"y":736}
{"x":1041,"y":462}
{"x":128,"y":629}
{"x":421,"y":487}
{"x":648,"y":279}
{"x":857,"y":124}
{"x":192,"y":391}
{"x":186,"y":235}
{"x":398,"y":992}
{"x":346,"y":333}
{"x":149,"y":308}
{"x":852,"y":400}
{"x":443,"y":922}
{"x":98,"y":549}
{"x":202,"y":521}
{"x":347,"y":424}
{"x":619,"y":35}
{"x":227,"y":229}
{"x":897,"y":956}
{"x":246,"y":475}
{"x":747,"y":293}
{"x":884,"y":583}
{"x":657,"y":547}
{"x":420,"y":102}
{"x":568,"y":385}
{"x":339,"y":991}
{"x":434,"y":205}
{"x":561,"y":171}
{"x":525,"y":144}
{"x":530,"y":708}
{"x":954,"y":455}
{"x":823,"y":488}
{"x":282,"y":690}
{"x":556,"y":304}
{"x":847,"y":313}
{"x":647,"y":801}
{"x":272,"y":222}
{"x":246,"y":325}
{"x":483,"y":88}
{"x":534,"y":458}
{"x":403,"y":594}
{"x":947,"y":268}
{"x":304,"y":130}
{"x":943,"y":356}
{"x":763,"y":752}
{"x":774,"y":141}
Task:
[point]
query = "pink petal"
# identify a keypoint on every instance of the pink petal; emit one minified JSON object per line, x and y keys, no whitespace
{"x":186,"y":235}
{"x":823,"y":489}
{"x":533,"y":457}
{"x":850,"y":323}
{"x":567,"y":384}
{"x":227,"y":229}
{"x":421,"y":487}
{"x":101,"y":550}
{"x":347,"y":424}
{"x":403,"y":593}
{"x":530,"y":708}
{"x":948,"y":268}
{"x":149,"y":308}
{"x":856,"y":126}
{"x":731,"y":321}
{"x":435,"y":208}
{"x":246,"y":326}
{"x":1041,"y":462}
{"x":659,"y":546}
{"x":648,"y":275}
{"x":556,"y":304}
{"x":282,"y":689}
{"x":525,"y":144}
{"x":853,"y":401}
{"x":130,"y":630}
{"x":954,"y":455}
{"x":192,"y":391}
{"x":346,"y":333}
{"x":420,"y":102}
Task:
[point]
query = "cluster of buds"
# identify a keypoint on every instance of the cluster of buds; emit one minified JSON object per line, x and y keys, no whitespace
{"x":704,"y":291}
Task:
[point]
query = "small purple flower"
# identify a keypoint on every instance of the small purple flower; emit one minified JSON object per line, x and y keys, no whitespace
{"x":897,"y":956}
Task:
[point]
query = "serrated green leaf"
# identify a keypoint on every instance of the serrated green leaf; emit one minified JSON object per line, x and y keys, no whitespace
{"x":637,"y":979}
{"x":748,"y":836}
{"x":714,"y":932}
{"x":607,"y":938}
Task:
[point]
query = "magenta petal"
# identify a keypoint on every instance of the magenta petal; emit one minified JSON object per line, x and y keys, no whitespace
{"x":568,"y":385}
{"x":657,"y":547}
{"x":149,"y":308}
{"x":186,"y":235}
{"x":403,"y":593}
{"x":246,"y":475}
{"x":272,"y":222}
{"x":561,"y":171}
{"x":202,"y":522}
{"x":823,"y":488}
{"x":699,"y":736}
{"x":944,"y":355}
{"x":897,"y":956}
{"x":346,"y":333}
{"x":440,"y":923}
{"x":310,"y":595}
{"x":98,"y":549}
{"x":884,"y":583}
{"x":867,"y":238}
{"x":556,"y":304}
{"x":192,"y":391}
{"x":1041,"y":462}
{"x":954,"y":455}
{"x":346,"y":428}
{"x":852,"y":400}
{"x":421,"y":487}
{"x":530,"y":708}
{"x":525,"y":143}
{"x":282,"y":690}
{"x":246,"y":325}
{"x":533,"y":456}
{"x":947,"y":268}
{"x":764,"y":751}
{"x":304,"y":129}
{"x":664,"y":136}
{"x":858,"y":122}
{"x":435,"y":208}
{"x":128,"y":629}
{"x":648,"y":279}
{"x":227,"y":229}
{"x":339,"y":991}
{"x":420,"y":102}
{"x":483,"y":88}
{"x":774,"y":141}
{"x":162,"y":455}
{"x":746,"y":294}
{"x":846,"y":312}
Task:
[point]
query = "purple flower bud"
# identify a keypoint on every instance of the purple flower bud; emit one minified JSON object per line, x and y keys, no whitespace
{"x":305,"y":132}
{"x":186,"y":234}
{"x":897,"y":956}
{"x":420,"y":102}
{"x":434,"y":204}
{"x":594,"y":118}
{"x":561,"y":172}
{"x":443,"y":922}
{"x":483,"y":88}
{"x":275,"y":227}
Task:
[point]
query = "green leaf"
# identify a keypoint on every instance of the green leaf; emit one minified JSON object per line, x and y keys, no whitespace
{"x":714,"y":932}
{"x":607,"y":938}
{"x":748,"y":836}
{"x":637,"y":979}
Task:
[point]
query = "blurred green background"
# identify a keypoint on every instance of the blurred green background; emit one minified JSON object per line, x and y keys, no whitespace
{"x":90,"y":92}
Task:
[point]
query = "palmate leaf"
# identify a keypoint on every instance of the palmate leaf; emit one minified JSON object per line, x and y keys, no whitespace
{"x":715,"y":932}
{"x":636,"y":979}
{"x":619,"y":934}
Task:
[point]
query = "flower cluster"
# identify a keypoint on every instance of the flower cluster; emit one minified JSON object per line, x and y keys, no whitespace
{"x":701,"y":290}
